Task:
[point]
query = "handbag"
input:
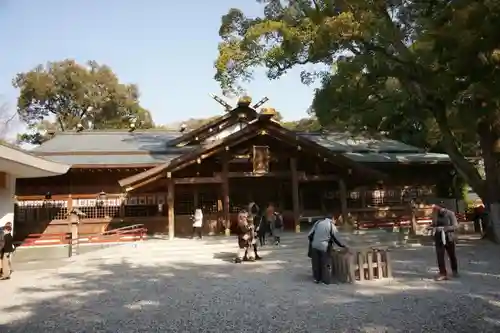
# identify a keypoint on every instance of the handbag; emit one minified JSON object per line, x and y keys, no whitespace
{"x":309,"y":250}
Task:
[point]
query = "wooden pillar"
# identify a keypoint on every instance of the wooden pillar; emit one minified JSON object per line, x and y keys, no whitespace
{"x":170,"y":207}
{"x":73,"y":229}
{"x":69,"y":210}
{"x":225,"y":194}
{"x":196,"y":198}
{"x":322,"y":201}
{"x":362,"y":194}
{"x":343,"y":201}
{"x":295,"y":194}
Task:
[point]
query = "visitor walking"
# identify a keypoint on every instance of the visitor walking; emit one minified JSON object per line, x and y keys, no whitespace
{"x":245,"y":238}
{"x":254,"y":218}
{"x":443,"y":226}
{"x":198,"y":223}
{"x":275,"y":222}
{"x":479,"y":217}
{"x":6,"y":251}
{"x":321,"y":238}
{"x":261,"y":227}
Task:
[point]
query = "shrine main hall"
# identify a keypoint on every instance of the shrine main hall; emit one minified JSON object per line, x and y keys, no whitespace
{"x":158,"y":177}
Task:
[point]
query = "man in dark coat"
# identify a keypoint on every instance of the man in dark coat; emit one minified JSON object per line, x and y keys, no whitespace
{"x":254,"y":219}
{"x":444,"y":224}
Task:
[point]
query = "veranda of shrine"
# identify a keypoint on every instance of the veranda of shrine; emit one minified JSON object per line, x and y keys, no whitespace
{"x":157,"y":178}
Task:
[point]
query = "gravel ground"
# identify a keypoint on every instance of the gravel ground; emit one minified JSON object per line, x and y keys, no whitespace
{"x":141,"y":289}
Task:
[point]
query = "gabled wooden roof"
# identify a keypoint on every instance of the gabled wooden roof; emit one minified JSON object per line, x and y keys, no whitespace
{"x":240,"y":113}
{"x":263,"y":125}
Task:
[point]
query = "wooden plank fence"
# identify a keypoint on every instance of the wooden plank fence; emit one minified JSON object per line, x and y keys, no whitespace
{"x":361,"y":265}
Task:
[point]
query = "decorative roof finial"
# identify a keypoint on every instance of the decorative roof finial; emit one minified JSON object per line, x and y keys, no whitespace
{"x":245,"y":101}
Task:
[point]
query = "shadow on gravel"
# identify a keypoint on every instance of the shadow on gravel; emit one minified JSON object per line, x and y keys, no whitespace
{"x":225,"y":256}
{"x":256,"y":297}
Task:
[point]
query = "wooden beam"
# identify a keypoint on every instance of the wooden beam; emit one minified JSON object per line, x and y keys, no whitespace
{"x":66,"y":196}
{"x":198,"y":180}
{"x":103,"y":153}
{"x":225,"y":194}
{"x":295,"y":193}
{"x":316,"y":178}
{"x":170,"y":207}
{"x":343,"y":201}
{"x":145,"y":182}
{"x":242,"y":174}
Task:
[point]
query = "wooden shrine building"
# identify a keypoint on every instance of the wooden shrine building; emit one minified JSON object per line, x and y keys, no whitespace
{"x":158,"y":177}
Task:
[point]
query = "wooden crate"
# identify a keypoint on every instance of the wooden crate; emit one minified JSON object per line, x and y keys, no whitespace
{"x":361,"y":265}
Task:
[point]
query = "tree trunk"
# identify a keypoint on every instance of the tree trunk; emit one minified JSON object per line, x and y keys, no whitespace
{"x":489,"y":188}
{"x":490,"y":147}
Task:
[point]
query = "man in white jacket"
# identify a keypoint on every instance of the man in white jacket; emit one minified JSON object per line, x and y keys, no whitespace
{"x":198,"y":223}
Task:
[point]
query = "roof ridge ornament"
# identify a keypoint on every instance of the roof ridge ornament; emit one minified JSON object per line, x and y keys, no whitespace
{"x":243,"y":101}
{"x":219,"y":100}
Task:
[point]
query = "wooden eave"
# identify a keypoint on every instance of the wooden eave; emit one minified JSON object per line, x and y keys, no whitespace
{"x":131,"y":166}
{"x":101,"y":153}
{"x":251,"y":114}
{"x":261,"y":126}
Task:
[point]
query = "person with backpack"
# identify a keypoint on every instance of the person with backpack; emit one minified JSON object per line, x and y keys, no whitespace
{"x":275,"y":222}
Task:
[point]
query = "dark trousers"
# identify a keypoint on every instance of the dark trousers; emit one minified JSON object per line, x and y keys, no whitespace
{"x":197,"y":231}
{"x":255,"y":252}
{"x":255,"y":249}
{"x":449,"y":248}
{"x":321,"y":266}
{"x":262,"y":239}
{"x":479,"y":226}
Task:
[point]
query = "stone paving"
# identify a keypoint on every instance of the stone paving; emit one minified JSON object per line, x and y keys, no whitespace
{"x":149,"y":288}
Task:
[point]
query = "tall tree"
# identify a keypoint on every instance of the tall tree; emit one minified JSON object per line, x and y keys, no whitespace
{"x":8,"y":120}
{"x":428,"y":68}
{"x":63,"y":94}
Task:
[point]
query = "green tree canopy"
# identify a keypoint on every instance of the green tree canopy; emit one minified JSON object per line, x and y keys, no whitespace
{"x":428,"y":70}
{"x":62,"y":94}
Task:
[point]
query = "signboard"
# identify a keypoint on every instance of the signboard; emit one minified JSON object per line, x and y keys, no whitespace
{"x":261,"y":158}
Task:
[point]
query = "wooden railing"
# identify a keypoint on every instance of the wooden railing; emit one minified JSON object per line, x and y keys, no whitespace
{"x":360,"y":265}
{"x":132,"y":233}
{"x":46,"y":239}
{"x":126,"y":234}
{"x":383,"y":217}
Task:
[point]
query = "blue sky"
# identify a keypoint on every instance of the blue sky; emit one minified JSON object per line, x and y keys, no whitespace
{"x":166,"y":47}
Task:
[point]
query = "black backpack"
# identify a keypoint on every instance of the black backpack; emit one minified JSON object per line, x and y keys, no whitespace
{"x":278,"y":224}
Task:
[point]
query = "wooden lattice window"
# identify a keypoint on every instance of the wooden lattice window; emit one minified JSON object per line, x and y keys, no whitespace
{"x":208,"y":201}
{"x":146,"y":205}
{"x":184,"y":203}
{"x":41,"y":210}
{"x":238,"y":199}
{"x":354,"y":199}
{"x":98,"y":209}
